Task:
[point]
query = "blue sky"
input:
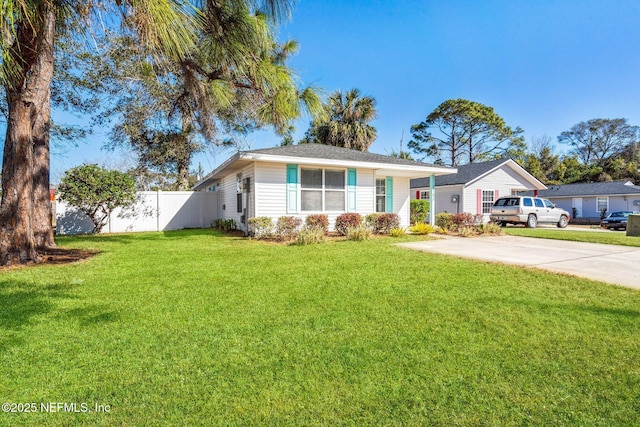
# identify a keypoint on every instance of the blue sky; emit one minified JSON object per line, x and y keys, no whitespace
{"x":542,"y":65}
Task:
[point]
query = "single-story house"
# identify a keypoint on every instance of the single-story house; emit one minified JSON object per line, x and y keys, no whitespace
{"x":590,"y":199}
{"x":475,"y":186}
{"x":299,"y":180}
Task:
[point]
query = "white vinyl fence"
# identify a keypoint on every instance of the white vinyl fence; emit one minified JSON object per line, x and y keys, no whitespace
{"x":152,"y":211}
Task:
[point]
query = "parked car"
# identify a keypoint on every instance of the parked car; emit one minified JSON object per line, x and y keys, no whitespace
{"x":530,"y":211}
{"x":617,"y":220}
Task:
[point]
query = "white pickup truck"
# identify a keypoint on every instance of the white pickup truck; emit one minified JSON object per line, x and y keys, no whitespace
{"x":527,"y":210}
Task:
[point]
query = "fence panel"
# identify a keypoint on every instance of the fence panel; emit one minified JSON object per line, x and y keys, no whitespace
{"x":152,"y":211}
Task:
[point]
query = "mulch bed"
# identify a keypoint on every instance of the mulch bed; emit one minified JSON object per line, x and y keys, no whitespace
{"x":58,"y":256}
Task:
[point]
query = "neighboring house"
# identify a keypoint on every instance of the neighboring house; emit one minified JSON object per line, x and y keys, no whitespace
{"x":299,"y":180}
{"x":590,"y":199}
{"x":476,"y":186}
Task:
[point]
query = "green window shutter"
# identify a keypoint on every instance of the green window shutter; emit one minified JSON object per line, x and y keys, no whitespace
{"x":292,"y":188}
{"x":351,"y":190}
{"x":389,"y":194}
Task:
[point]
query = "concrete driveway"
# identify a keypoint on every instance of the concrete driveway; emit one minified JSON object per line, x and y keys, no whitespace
{"x":619,"y":265}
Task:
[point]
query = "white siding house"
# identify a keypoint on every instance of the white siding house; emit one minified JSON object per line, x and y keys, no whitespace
{"x":306,"y":179}
{"x":474,"y":187}
{"x":586,"y":201}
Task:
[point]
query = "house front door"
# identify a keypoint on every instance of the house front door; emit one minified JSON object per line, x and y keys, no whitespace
{"x":576,"y":203}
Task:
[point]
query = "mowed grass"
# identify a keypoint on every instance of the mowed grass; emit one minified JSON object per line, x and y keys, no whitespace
{"x":608,"y":238}
{"x":195,"y":328}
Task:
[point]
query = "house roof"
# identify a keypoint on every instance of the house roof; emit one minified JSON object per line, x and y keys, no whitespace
{"x":324,"y":155}
{"x":590,"y":189}
{"x":473,"y":171}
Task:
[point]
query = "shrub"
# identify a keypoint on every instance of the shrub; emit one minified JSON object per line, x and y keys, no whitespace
{"x":320,"y":221}
{"x":421,"y":228}
{"x":97,"y":192}
{"x":287,"y":227}
{"x":466,"y":231}
{"x":397,"y":232}
{"x":261,"y":226}
{"x":346,"y":221}
{"x":462,"y":220}
{"x":419,"y":209}
{"x":359,"y":233}
{"x":385,"y":222}
{"x":490,"y":228}
{"x":444,"y":220}
{"x":224,"y":224}
{"x":370,"y":220}
{"x":309,"y":235}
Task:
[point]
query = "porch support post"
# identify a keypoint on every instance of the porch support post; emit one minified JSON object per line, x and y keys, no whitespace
{"x":432,"y":199}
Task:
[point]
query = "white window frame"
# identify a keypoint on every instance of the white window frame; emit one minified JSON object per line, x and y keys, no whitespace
{"x":383,"y":195}
{"x":487,"y":202}
{"x":424,"y":195}
{"x":323,"y":190}
{"x":598,"y":200}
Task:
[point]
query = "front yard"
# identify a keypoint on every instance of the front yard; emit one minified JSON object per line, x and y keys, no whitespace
{"x":197,"y":328}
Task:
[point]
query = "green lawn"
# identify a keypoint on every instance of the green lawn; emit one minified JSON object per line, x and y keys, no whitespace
{"x":609,"y":237}
{"x":195,"y":328}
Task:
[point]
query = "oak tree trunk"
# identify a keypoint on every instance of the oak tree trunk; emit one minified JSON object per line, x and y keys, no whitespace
{"x":24,"y":179}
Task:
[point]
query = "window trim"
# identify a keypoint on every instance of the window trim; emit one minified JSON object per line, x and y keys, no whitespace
{"x":324,"y":190}
{"x":486,"y":204}
{"x":598,"y":198}
{"x":382,"y":195}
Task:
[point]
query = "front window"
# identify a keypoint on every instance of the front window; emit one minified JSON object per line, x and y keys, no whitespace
{"x":322,"y":189}
{"x":424,"y":195}
{"x":602,"y":204}
{"x":381,"y":191}
{"x":487,"y":201}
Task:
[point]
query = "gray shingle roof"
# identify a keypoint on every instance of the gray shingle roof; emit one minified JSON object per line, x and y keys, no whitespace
{"x":466,"y":173}
{"x":320,"y":151}
{"x":588,"y":189}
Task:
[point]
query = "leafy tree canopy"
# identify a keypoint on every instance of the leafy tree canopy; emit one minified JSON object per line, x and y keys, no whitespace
{"x":97,"y":191}
{"x":598,"y":140}
{"x":460,"y":131}
{"x":607,"y":148}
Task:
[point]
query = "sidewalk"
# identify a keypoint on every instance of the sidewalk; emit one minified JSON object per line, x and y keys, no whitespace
{"x":618,"y":265}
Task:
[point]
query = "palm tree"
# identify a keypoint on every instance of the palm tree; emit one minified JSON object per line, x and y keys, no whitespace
{"x":27,"y":37}
{"x":346,"y":121}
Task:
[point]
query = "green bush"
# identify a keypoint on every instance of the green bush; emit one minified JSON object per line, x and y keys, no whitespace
{"x":397,"y":232}
{"x":346,"y":221}
{"x":421,"y":228}
{"x":419,"y":209}
{"x":97,"y":192}
{"x":490,"y":228}
{"x":224,"y":224}
{"x":444,"y":220}
{"x":318,"y":221}
{"x":261,"y":227}
{"x":358,"y":233}
{"x":309,"y":235}
{"x":385,"y":222}
{"x":287,"y":227}
{"x":467,"y":231}
{"x":371,"y":219}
